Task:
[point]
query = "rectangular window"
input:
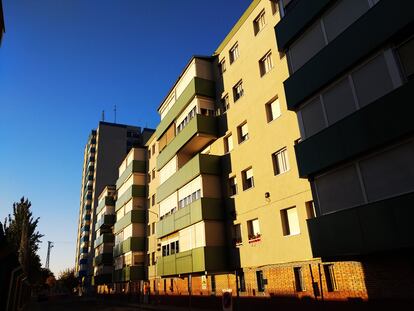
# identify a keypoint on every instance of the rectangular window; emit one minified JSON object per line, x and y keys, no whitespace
{"x":260,"y":281}
{"x":310,"y":209}
{"x":299,"y":285}
{"x":153,"y":149}
{"x":224,"y":102}
{"x":172,"y":285}
{"x":274,"y":6}
{"x":213,"y":284}
{"x":234,"y":53}
{"x":290,"y":221}
{"x":330,"y":277}
{"x":238,"y":90}
{"x":222,"y":66}
{"x":153,"y":228}
{"x":232,"y":186}
{"x":165,"y":285}
{"x":153,"y":200}
{"x":228,"y":143}
{"x":405,"y":52}
{"x":242,"y":281}
{"x":280,"y":161}
{"x":259,"y":22}
{"x":273,"y":110}
{"x":248,"y":181}
{"x":253,"y":229}
{"x":149,"y":154}
{"x":243,"y":131}
{"x":237,"y":237}
{"x":153,"y":173}
{"x":266,"y":64}
{"x":149,"y":177}
{"x":153,"y":261}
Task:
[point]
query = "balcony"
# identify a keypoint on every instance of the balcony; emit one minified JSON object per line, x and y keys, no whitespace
{"x":105,"y":221}
{"x":134,"y":216}
{"x":85,"y":228}
{"x":102,"y":279}
{"x":133,"y":191}
{"x":133,"y":273}
{"x":202,"y":209}
{"x":375,"y":227}
{"x":202,"y":259}
{"x":104,"y":238}
{"x":131,"y":244}
{"x":197,"y":86}
{"x":200,"y":131}
{"x":103,"y":259}
{"x":134,"y":167}
{"x":107,"y":201}
{"x":87,"y":217}
{"x":199,"y":164}
{"x":84,"y":250}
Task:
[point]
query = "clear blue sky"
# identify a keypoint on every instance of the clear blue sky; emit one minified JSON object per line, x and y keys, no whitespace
{"x":64,"y":61}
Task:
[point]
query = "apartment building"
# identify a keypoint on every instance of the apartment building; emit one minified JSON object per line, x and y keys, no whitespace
{"x":105,"y":149}
{"x":351,"y":64}
{"x":104,"y":242}
{"x":129,"y":251}
{"x":152,"y":214}
{"x":2,"y":28}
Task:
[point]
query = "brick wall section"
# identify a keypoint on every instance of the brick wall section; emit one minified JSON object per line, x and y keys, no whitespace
{"x":374,"y":278}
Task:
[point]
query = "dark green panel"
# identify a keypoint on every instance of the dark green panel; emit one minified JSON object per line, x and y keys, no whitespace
{"x":197,"y":86}
{"x":104,"y":238}
{"x":133,"y":273}
{"x":380,"y":123}
{"x":376,"y":227}
{"x":105,"y":221}
{"x":297,"y":19}
{"x":108,"y":201}
{"x":133,"y":191}
{"x":103,"y":259}
{"x":103,"y":279}
{"x":135,"y":166}
{"x":131,"y":244}
{"x":379,"y":25}
{"x":134,"y":216}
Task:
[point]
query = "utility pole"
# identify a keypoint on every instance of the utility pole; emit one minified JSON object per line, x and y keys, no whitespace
{"x":49,"y":247}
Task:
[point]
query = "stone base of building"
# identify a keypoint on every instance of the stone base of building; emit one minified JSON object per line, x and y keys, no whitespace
{"x":376,"y":277}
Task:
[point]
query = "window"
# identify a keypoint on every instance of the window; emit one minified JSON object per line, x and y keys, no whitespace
{"x":153,"y":173}
{"x":290,"y":221}
{"x":207,"y":112}
{"x":222,"y":66}
{"x":266,"y":64}
{"x":405,"y":52}
{"x":253,"y":229}
{"x":299,"y":285}
{"x":274,"y":6}
{"x":149,"y":154}
{"x":228,"y":143}
{"x":172,"y":285}
{"x":189,"y":199}
{"x":237,"y":237}
{"x":174,"y":247}
{"x":187,"y":119}
{"x":248,"y":181}
{"x":242,"y":281}
{"x":149,"y":229}
{"x":153,"y":149}
{"x":243,"y":131}
{"x":153,"y":228}
{"x":280,"y":161}
{"x":330,"y":277}
{"x":149,"y":177}
{"x":260,"y":281}
{"x":224,"y":103}
{"x":213,"y":283}
{"x":310,"y":209}
{"x":232,"y":186}
{"x":165,"y":285}
{"x":153,"y":261}
{"x":234,"y":53}
{"x":259,"y":22}
{"x":153,"y":200}
{"x":238,"y":90}
{"x":273,"y":110}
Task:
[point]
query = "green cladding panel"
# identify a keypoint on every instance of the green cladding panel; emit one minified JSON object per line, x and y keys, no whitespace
{"x":103,"y":259}
{"x":132,"y":273}
{"x":199,"y":125}
{"x":134,"y":216}
{"x":104,"y":238}
{"x":202,"y":209}
{"x":135,"y":166}
{"x":199,"y":164}
{"x":376,"y":227}
{"x":368,"y":34}
{"x":201,"y":259}
{"x":366,"y":129}
{"x":133,"y":191}
{"x":131,"y":244}
{"x":108,"y":201}
{"x":197,"y":86}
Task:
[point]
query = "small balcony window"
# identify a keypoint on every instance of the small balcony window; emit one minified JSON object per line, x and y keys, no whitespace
{"x":248,"y":181}
{"x":243,"y":131}
{"x":253,"y":230}
{"x":232,"y":186}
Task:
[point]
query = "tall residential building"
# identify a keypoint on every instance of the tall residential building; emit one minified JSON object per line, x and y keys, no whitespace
{"x":351,"y":63}
{"x":104,"y":151}
{"x":130,"y":227}
{"x":152,"y":212}
{"x":104,"y":242}
{"x":1,"y":21}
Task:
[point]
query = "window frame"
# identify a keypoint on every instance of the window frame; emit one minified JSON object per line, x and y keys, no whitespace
{"x":242,"y":138}
{"x":234,"y":53}
{"x":266,"y":63}
{"x":276,"y":166}
{"x":259,"y":23}
{"x":238,"y":91}
{"x":248,"y":183}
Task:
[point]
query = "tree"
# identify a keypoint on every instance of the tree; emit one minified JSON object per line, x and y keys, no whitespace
{"x":21,"y":233}
{"x":67,"y":279}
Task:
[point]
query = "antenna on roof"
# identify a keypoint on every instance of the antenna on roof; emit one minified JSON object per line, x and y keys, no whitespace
{"x":103,"y":115}
{"x":114,"y":113}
